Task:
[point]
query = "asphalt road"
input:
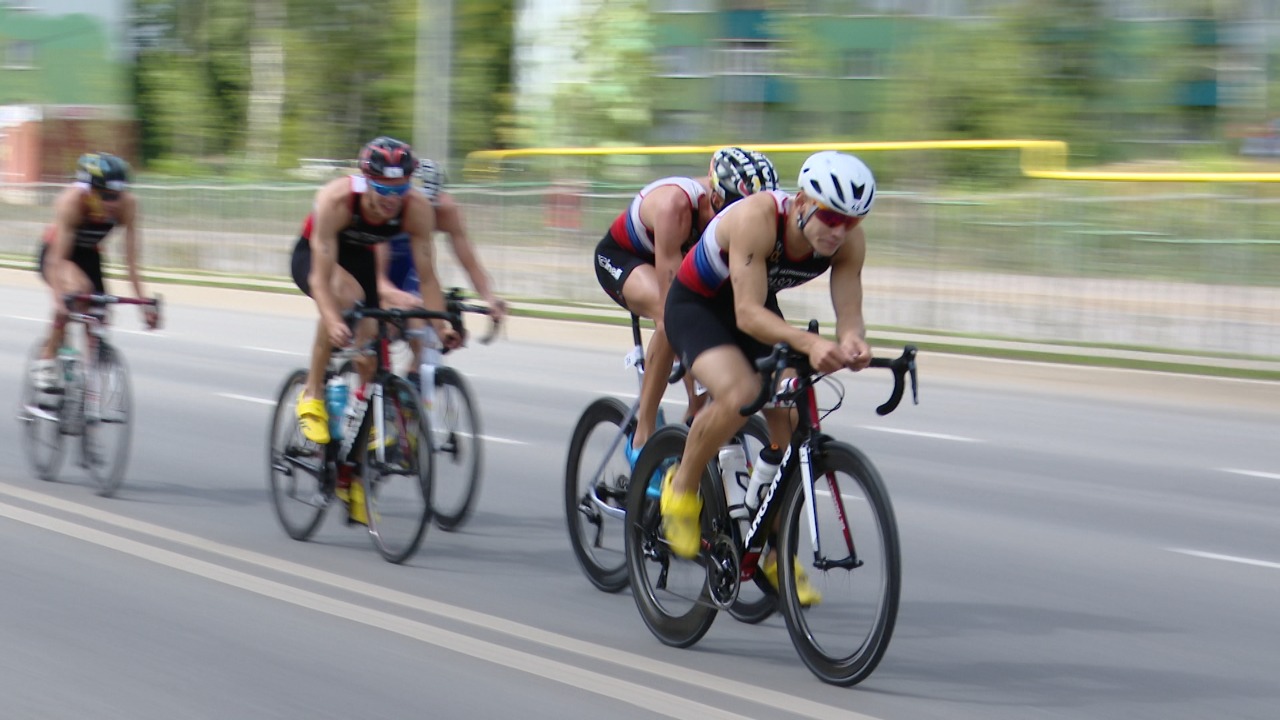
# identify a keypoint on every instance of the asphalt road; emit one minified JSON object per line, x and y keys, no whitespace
{"x":1097,"y":544}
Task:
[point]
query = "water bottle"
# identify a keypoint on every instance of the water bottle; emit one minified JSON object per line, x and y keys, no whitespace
{"x":354,"y":417}
{"x":335,"y":402}
{"x":68,"y":356}
{"x":427,"y":375}
{"x":734,"y":475}
{"x":762,"y":476}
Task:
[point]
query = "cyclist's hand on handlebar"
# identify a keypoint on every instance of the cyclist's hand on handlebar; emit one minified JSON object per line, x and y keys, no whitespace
{"x":859,"y":353}
{"x":449,"y":337}
{"x":339,"y":333}
{"x":498,"y":308}
{"x":828,"y":357}
{"x":151,"y":317}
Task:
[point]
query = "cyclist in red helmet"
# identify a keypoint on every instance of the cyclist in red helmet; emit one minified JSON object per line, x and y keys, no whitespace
{"x":334,"y":260}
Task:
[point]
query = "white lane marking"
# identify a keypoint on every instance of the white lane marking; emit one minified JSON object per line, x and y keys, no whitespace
{"x":292,"y":353}
{"x":28,"y":318}
{"x":633,"y":396}
{"x":505,"y":441}
{"x":1227,"y":558}
{"x":1252,"y":473}
{"x":668,"y":672}
{"x":246,"y":398}
{"x":919,"y":433}
{"x":643,"y":696}
{"x":268,"y":401}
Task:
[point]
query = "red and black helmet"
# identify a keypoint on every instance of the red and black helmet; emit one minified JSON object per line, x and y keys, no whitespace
{"x":386,"y":158}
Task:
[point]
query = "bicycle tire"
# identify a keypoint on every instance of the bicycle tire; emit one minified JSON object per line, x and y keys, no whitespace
{"x":455,"y":438}
{"x":835,"y":658}
{"x":41,"y":425}
{"x":761,"y":602}
{"x":603,"y":562}
{"x":115,"y":410}
{"x":397,"y":492}
{"x":296,"y":468}
{"x":657,"y":604}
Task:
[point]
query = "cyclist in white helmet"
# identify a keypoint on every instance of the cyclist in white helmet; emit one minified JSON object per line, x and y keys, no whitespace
{"x":722,"y":313}
{"x":639,"y":255}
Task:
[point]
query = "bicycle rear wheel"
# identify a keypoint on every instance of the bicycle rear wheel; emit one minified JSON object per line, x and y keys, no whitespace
{"x":296,"y":467}
{"x":595,"y":493}
{"x":671,"y":594}
{"x":104,"y":447}
{"x":40,"y":422}
{"x":398,"y":472}
{"x":842,"y":638}
{"x":455,"y":437}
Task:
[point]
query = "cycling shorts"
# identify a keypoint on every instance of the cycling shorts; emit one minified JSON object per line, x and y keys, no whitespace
{"x":696,"y":323}
{"x":613,"y":265}
{"x":356,"y":259}
{"x":88,"y":259}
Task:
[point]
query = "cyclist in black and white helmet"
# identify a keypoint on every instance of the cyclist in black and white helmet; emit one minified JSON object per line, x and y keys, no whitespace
{"x":398,"y":277}
{"x":639,"y":255}
{"x":722,"y":314}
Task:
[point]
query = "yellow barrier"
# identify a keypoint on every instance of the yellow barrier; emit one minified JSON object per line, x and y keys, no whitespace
{"x":1040,"y":159}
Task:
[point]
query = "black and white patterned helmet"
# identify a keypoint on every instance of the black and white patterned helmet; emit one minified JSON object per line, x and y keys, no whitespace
{"x":838,"y":181}
{"x":738,"y":173}
{"x":432,"y":177}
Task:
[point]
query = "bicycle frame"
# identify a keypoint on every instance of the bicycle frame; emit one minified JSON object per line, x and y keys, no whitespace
{"x":634,"y":358}
{"x":807,"y":440}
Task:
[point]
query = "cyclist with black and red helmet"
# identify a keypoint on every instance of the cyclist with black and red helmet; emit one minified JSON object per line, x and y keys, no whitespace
{"x":70,"y":255}
{"x":639,"y":255}
{"x":334,"y":259}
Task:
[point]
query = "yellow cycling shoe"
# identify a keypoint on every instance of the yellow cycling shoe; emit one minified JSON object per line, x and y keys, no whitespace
{"x":806,"y":593}
{"x":356,"y":512}
{"x":313,"y":419}
{"x":680,"y":513}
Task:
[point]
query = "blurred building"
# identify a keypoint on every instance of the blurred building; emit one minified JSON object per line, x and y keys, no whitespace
{"x":734,"y":68}
{"x":64,"y":86}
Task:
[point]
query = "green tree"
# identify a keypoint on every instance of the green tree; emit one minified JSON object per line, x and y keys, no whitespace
{"x":610,"y":101}
{"x":482,"y":102}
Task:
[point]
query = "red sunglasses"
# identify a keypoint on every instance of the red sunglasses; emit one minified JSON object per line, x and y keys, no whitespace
{"x":833,"y":219}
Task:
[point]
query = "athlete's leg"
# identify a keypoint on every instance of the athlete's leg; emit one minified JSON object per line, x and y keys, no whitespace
{"x":71,"y":278}
{"x":642,"y":296}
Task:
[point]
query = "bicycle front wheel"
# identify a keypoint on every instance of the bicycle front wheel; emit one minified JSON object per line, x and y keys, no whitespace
{"x":104,"y":447}
{"x":455,"y":437}
{"x":842,"y":637}
{"x":296,"y":467}
{"x":41,"y":424}
{"x":398,"y":472}
{"x":672,"y":594}
{"x":595,"y":493}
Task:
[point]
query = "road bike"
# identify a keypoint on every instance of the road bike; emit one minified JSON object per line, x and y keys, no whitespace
{"x":598,"y":475}
{"x":453,"y":419}
{"x":381,"y":457}
{"x":92,"y":400}
{"x":841,"y":533}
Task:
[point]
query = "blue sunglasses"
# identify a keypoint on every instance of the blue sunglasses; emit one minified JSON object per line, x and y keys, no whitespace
{"x":396,"y":190}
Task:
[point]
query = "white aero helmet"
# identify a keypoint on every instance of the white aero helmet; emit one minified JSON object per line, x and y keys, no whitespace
{"x":838,"y":181}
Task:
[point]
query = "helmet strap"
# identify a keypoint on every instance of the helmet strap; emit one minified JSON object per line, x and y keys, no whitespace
{"x":802,"y":219}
